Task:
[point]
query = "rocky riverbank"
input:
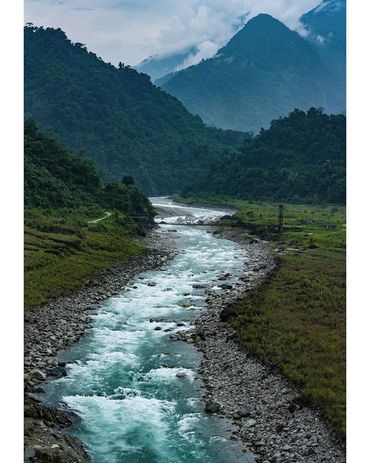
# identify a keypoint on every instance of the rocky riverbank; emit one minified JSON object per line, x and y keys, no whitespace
{"x":54,"y":327}
{"x":267,"y":413}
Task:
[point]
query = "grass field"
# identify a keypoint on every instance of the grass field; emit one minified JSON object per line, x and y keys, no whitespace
{"x":296,"y":321}
{"x":62,"y":250}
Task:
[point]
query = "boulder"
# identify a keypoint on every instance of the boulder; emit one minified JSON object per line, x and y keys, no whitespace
{"x":36,"y":375}
{"x":225,"y":286}
{"x":228,"y":313}
{"x":248,"y":424}
{"x":57,"y":372}
{"x":212,"y":407}
{"x":243,"y":411}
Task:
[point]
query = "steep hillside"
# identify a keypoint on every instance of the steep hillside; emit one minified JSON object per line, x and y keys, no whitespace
{"x":326,"y":26}
{"x":115,"y":116}
{"x":55,"y":179}
{"x":264,"y":72}
{"x":68,"y":233}
{"x":301,"y":158}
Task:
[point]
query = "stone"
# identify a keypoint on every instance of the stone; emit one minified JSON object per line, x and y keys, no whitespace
{"x":152,"y":283}
{"x":212,"y":407}
{"x":248,"y":424}
{"x":225,"y":286}
{"x":228,"y":313}
{"x":57,"y":372}
{"x":244,"y":411}
{"x":279,"y":427}
{"x":181,"y":374}
{"x":36,"y":375}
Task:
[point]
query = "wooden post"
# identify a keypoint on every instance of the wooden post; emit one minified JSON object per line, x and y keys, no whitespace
{"x":280,"y":218}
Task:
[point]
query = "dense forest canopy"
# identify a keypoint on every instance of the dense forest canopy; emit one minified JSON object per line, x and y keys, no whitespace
{"x":54,"y":178}
{"x":300,"y":158}
{"x":116,"y":116}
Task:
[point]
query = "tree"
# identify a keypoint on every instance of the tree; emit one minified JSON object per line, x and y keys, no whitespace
{"x":128,"y":180}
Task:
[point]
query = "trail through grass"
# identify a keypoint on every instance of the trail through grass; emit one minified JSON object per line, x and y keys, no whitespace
{"x":63,"y":250}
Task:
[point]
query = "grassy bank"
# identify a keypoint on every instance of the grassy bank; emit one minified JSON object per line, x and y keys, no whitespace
{"x":63,"y":250}
{"x":296,"y":320}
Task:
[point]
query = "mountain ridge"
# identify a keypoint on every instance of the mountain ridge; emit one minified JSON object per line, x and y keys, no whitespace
{"x":263,"y":72}
{"x":116,"y":117}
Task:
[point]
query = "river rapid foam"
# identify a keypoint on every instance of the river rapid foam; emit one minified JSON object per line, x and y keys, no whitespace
{"x":137,"y":392}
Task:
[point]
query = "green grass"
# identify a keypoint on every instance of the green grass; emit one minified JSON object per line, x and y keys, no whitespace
{"x":296,"y":321}
{"x":62,"y":250}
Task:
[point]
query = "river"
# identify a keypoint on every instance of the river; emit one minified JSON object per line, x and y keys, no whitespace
{"x":137,"y":392}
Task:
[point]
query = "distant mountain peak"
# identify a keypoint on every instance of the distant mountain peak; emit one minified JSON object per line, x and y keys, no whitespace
{"x":265,"y":71}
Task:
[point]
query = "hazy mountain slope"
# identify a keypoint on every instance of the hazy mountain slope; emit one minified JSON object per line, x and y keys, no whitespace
{"x":115,"y":116}
{"x":265,"y":71}
{"x":326,"y":25}
{"x":157,"y":66}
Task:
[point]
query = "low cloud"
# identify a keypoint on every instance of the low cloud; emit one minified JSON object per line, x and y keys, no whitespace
{"x":131,"y":30}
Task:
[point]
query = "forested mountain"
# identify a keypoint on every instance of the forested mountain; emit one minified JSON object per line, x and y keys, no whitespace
{"x":264,"y":72}
{"x":54,"y":179}
{"x":300,"y":158}
{"x":116,"y":117}
{"x":326,"y":25}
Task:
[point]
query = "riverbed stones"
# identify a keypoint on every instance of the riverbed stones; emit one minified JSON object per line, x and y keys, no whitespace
{"x":54,"y":327}
{"x":234,"y":379}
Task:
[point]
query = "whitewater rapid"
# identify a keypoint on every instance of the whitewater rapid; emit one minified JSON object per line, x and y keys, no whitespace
{"x":137,"y":392}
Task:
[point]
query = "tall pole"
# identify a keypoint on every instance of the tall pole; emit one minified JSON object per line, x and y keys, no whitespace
{"x":280,"y":218}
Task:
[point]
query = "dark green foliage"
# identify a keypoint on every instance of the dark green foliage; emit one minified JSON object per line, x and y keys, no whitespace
{"x":116,"y":116}
{"x":54,"y":179}
{"x":301,"y":158}
{"x":264,"y":72}
{"x":128,"y":180}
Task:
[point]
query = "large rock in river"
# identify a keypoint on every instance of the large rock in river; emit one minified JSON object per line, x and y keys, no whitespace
{"x":228,"y":313}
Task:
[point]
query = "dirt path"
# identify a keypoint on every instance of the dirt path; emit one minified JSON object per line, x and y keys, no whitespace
{"x":107,"y":214}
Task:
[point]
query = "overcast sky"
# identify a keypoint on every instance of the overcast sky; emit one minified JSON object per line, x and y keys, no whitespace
{"x":131,"y":30}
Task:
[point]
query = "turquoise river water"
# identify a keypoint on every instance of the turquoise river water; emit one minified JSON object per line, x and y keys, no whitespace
{"x":136,"y":391}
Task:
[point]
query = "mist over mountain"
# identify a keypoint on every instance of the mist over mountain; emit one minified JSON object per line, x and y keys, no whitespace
{"x":116,"y":117}
{"x":157,"y":66}
{"x":265,"y":71}
{"x":326,"y":26}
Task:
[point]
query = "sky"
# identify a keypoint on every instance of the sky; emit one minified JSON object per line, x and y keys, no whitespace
{"x":132,"y":30}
